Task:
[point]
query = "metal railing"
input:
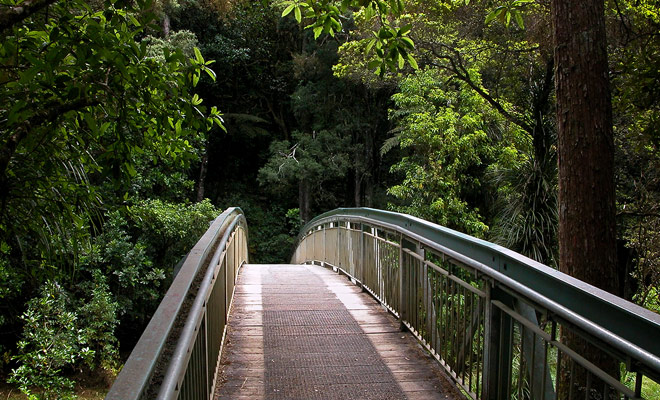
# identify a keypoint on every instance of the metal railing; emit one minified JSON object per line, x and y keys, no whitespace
{"x":177,"y":356}
{"x":502,"y":325}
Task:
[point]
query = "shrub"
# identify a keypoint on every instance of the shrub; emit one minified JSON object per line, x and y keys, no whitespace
{"x":61,"y":334}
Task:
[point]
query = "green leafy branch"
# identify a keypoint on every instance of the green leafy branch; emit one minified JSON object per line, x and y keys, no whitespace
{"x":510,"y":10}
{"x":391,"y":45}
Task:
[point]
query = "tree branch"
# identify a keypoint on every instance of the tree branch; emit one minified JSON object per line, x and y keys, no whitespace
{"x":15,"y":14}
{"x":53,"y":111}
{"x":456,"y":67}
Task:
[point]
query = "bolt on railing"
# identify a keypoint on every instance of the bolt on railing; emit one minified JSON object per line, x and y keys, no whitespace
{"x":502,"y":325}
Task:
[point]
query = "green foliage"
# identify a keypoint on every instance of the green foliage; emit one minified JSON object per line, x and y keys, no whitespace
{"x":315,"y":158}
{"x":391,"y":44}
{"x":138,"y":251}
{"x":62,"y":333}
{"x":512,"y":9}
{"x":526,"y":216}
{"x":183,"y":40}
{"x":446,"y":132}
{"x":134,"y":280}
{"x":635,"y":62}
{"x":170,"y":230}
{"x":273,"y":229}
{"x":81,"y":103}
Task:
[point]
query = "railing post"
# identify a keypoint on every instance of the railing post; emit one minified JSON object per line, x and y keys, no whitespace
{"x":498,"y":343}
{"x":361,"y":256}
{"x":402,"y":287}
{"x":404,"y":282}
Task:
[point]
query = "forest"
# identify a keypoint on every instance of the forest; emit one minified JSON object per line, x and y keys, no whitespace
{"x":126,"y":126}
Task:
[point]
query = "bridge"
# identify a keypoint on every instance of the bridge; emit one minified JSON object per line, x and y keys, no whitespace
{"x":383,"y":305}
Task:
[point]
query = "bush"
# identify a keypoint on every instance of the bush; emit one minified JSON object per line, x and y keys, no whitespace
{"x":170,"y":230}
{"x":62,"y":334}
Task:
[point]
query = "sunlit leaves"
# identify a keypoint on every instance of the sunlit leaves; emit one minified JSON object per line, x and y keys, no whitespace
{"x":507,"y":11}
{"x":442,"y":129}
{"x":391,"y":45}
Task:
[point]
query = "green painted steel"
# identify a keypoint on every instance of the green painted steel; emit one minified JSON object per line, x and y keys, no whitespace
{"x":633,"y":324}
{"x":134,"y":380}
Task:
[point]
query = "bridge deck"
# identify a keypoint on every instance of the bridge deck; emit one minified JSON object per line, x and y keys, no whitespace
{"x":305,"y":332}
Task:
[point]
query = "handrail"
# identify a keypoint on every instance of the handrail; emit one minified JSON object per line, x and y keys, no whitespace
{"x":227,"y":234}
{"x":624,"y":328}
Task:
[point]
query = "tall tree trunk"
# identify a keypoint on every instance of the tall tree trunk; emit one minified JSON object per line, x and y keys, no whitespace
{"x":357,"y":189}
{"x":370,"y":168}
{"x":202,"y":177}
{"x":166,"y":25}
{"x":303,"y":201}
{"x":358,"y":170}
{"x":587,"y":241}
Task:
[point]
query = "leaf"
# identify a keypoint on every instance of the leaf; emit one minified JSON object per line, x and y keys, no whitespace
{"x":198,"y":55}
{"x":210,"y":73}
{"x":405,"y":30}
{"x":288,"y":10}
{"x":518,"y":18}
{"x":408,"y":42}
{"x":369,"y":47}
{"x":298,"y":14}
{"x":384,"y":33}
{"x":494,"y":14}
{"x":335,"y":24}
{"x":317,"y":32}
{"x":130,"y":169}
{"x":374,"y":64}
{"x":412,"y":62}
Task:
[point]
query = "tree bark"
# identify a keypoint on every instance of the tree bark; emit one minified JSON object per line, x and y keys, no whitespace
{"x":201,"y":184}
{"x":357,"y":178}
{"x":11,"y":16}
{"x":166,"y":25}
{"x":587,"y":240}
{"x":303,"y":201}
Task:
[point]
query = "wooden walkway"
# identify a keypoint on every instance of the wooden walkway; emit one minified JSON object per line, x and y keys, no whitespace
{"x":305,"y":332}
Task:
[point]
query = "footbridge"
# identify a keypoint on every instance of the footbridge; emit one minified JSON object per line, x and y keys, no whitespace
{"x":381,"y":305}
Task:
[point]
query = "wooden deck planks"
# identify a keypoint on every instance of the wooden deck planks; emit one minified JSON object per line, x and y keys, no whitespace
{"x":305,"y":332}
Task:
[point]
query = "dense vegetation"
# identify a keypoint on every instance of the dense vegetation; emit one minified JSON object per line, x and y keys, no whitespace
{"x":114,"y":156}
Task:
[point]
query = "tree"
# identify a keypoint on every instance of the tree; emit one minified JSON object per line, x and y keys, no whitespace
{"x":82,"y":104}
{"x":448,"y":135}
{"x":587,"y":238}
{"x":309,"y":162}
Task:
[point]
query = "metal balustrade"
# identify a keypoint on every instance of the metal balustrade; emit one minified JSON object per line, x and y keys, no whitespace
{"x":192,"y":315}
{"x":502,"y":325}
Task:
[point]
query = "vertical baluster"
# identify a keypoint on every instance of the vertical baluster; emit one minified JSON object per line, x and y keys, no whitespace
{"x":572,"y":381}
{"x":521,"y":371}
{"x":470,"y":341}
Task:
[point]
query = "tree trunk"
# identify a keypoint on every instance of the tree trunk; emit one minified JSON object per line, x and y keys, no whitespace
{"x":166,"y":25}
{"x":202,"y":177}
{"x":303,"y":201}
{"x":357,"y":179}
{"x":587,"y":241}
{"x":370,"y":168}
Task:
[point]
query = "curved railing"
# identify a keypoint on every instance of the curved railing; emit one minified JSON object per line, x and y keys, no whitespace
{"x":177,"y":355}
{"x":501,"y":324}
